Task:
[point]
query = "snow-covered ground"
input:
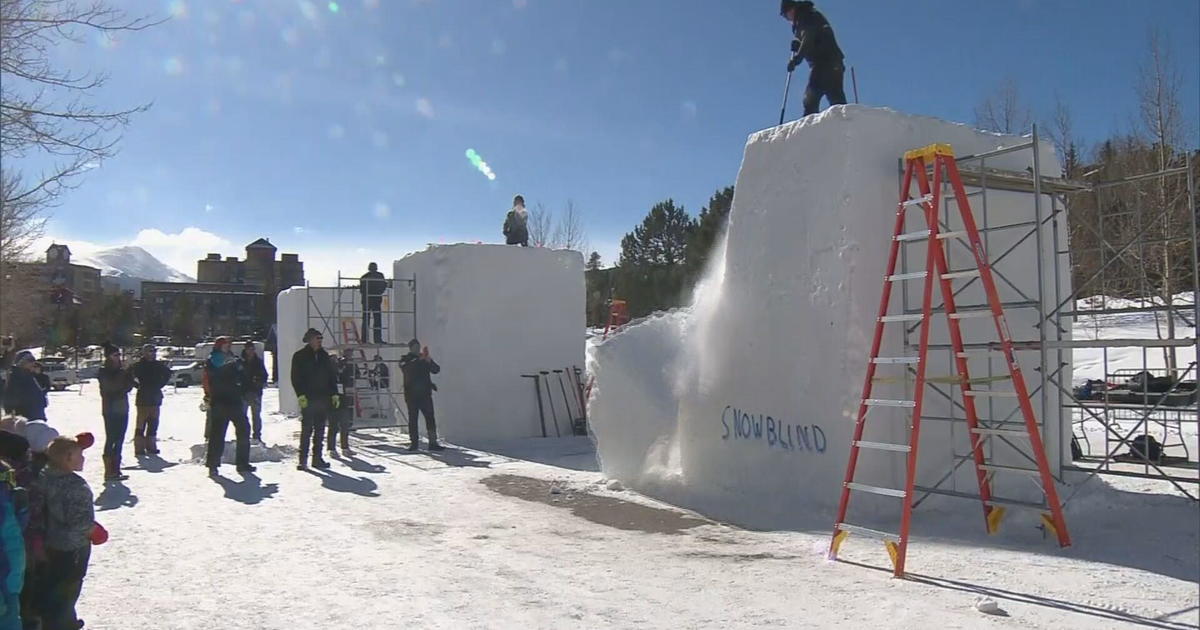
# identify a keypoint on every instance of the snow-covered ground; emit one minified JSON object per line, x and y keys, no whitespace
{"x":528,"y":535}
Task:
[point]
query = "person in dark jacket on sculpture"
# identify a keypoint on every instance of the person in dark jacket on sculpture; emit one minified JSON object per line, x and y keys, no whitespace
{"x":116,"y":381}
{"x":225,"y":379}
{"x":418,"y":368}
{"x":315,"y":381}
{"x":256,"y":380}
{"x":373,"y":286}
{"x":516,"y":224}
{"x":150,"y":376}
{"x":814,"y":42}
{"x":23,"y":396}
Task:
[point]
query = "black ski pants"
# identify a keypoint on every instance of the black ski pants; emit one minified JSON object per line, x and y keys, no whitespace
{"x":372,"y":311}
{"x":424,"y":404}
{"x":825,"y":79}
{"x":340,"y":422}
{"x":220,"y":416}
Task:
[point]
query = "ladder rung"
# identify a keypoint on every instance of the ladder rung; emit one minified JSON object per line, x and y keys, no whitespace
{"x":1002,"y":432}
{"x":894,"y":360}
{"x":945,"y":235}
{"x":887,"y":402}
{"x":887,"y":492}
{"x":1012,"y":469}
{"x":884,"y":446}
{"x":967,"y":273}
{"x":982,"y":393}
{"x":907,"y":276}
{"x":910,"y":317}
{"x":970,"y":314}
{"x":918,"y":201}
{"x":983,"y":352}
{"x":913,"y":236}
{"x":865,"y":531}
{"x":1029,"y":505}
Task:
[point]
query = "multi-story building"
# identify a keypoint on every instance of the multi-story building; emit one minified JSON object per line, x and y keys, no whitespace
{"x":229,"y":297}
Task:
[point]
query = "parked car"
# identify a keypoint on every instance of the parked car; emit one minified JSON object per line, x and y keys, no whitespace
{"x":185,"y":373}
{"x":61,"y":375}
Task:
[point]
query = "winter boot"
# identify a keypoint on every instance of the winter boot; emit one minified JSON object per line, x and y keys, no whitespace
{"x":413,"y":447}
{"x":303,"y":465}
{"x":139,"y":446}
{"x":112,"y":469}
{"x":317,"y":462}
{"x":346,"y":444}
{"x":152,"y":444}
{"x":434,"y":446}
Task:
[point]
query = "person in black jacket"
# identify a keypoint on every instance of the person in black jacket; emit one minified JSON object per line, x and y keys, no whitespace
{"x":418,"y":367}
{"x":342,"y":419}
{"x":23,"y":395}
{"x":150,"y":376}
{"x":315,"y":381}
{"x":225,"y":379}
{"x":256,"y":380}
{"x":115,"y":384}
{"x":813,"y":40}
{"x":373,"y":285}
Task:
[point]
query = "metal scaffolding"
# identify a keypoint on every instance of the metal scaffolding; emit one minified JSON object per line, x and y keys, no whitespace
{"x":1105,"y":430}
{"x":349,"y":321}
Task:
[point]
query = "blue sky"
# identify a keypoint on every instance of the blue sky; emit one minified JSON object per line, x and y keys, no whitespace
{"x":341,"y":135}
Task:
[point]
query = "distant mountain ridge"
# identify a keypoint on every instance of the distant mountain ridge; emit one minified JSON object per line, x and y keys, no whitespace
{"x":129,"y":265}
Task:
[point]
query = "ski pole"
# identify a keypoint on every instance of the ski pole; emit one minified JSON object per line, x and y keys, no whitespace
{"x":787,"y":86}
{"x":537,"y":388}
{"x":553,"y":411}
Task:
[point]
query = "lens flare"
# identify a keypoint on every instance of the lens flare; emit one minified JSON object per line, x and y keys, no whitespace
{"x":334,"y":7}
{"x":480,"y":165}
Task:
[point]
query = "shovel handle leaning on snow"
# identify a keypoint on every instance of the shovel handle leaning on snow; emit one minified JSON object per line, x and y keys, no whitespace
{"x":537,"y":390}
{"x":553,"y":412}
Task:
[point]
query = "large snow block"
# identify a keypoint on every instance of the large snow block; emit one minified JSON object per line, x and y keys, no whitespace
{"x":751,"y":398}
{"x":490,"y":313}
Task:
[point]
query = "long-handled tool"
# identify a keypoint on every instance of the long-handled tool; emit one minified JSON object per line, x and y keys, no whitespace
{"x":553,"y":411}
{"x":537,"y":389}
{"x":579,"y":392}
{"x":567,"y":403}
{"x":787,"y":87}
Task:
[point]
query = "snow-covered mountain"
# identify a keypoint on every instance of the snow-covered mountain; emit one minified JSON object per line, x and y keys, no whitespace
{"x":127,"y":266}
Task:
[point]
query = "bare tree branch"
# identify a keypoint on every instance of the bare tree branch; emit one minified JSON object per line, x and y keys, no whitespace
{"x":1002,"y":111}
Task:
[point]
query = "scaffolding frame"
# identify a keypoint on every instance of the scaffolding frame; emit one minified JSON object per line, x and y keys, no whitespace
{"x":349,"y":310}
{"x":1054,"y":395}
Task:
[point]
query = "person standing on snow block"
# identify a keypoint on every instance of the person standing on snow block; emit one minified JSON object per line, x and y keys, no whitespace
{"x":256,"y":380}
{"x":373,"y":285}
{"x":225,"y":387}
{"x":814,"y":41}
{"x":516,"y":224}
{"x":149,"y":375}
{"x":315,"y":380}
{"x":116,"y":381}
{"x":418,"y":367}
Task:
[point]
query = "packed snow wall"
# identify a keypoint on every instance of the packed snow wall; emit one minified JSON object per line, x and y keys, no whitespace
{"x":490,"y":313}
{"x":743,"y":406}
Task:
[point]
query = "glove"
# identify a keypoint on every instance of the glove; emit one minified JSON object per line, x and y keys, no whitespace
{"x":795,"y":45}
{"x":204,"y":405}
{"x":793,"y":63}
{"x":99,"y":535}
{"x":337,"y":401}
{"x":303,"y":400}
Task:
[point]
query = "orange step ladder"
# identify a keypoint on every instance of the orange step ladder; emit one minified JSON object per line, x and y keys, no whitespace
{"x":918,"y":163}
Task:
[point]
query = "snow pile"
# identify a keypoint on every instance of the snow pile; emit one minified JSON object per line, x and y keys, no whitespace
{"x":743,"y":408}
{"x":490,"y":313}
{"x":258,"y":452}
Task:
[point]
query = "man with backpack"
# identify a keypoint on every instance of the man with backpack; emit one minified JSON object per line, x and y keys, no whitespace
{"x":813,"y":41}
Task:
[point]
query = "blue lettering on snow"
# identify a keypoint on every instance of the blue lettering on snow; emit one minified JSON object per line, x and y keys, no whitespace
{"x":778,"y":434}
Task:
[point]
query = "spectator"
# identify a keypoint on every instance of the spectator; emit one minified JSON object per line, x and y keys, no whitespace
{"x":115,"y":384}
{"x":342,"y":418}
{"x":23,"y":395}
{"x":256,"y":380}
{"x":225,"y":389}
{"x":418,"y":393}
{"x":70,"y":531}
{"x":149,"y":376}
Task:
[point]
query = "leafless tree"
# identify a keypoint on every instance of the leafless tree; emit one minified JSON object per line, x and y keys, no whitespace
{"x":568,"y":230}
{"x":46,"y":115}
{"x":1061,"y":131}
{"x":541,"y":226}
{"x":1002,"y":111}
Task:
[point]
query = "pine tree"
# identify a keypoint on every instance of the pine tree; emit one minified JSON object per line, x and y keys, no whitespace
{"x":661,"y":239}
{"x":708,"y":229}
{"x":593,"y":263}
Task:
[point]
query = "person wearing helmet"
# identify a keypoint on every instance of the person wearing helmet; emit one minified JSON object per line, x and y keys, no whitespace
{"x":813,"y":41}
